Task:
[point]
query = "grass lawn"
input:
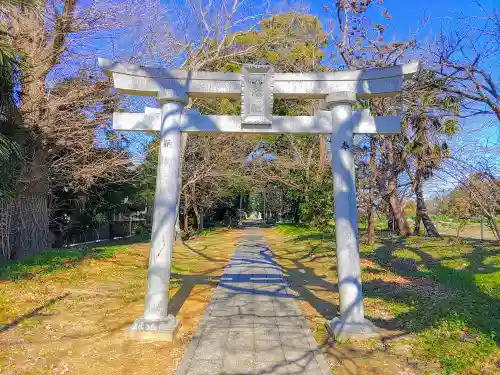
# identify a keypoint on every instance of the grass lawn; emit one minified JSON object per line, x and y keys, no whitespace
{"x":436,"y":300}
{"x":67,"y":311}
{"x":471,"y":230}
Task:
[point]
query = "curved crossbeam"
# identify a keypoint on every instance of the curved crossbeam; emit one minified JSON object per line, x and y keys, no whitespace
{"x":366,"y":83}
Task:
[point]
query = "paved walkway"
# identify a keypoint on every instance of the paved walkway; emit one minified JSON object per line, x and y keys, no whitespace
{"x":253,"y":325}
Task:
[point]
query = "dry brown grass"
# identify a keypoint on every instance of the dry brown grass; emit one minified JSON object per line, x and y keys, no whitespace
{"x":74,"y":321}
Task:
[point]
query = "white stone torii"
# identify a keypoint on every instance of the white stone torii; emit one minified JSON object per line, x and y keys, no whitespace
{"x":257,"y":86}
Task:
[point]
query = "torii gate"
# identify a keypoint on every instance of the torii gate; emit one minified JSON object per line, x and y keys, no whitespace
{"x":256,"y":85}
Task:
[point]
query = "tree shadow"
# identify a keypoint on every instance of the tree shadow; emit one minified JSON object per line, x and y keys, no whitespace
{"x":305,"y":282}
{"x":201,"y":254}
{"x":433,"y":290}
{"x":253,"y":296}
{"x":300,"y":279}
{"x":437,"y":292}
{"x":187,"y":284}
{"x":32,"y":313}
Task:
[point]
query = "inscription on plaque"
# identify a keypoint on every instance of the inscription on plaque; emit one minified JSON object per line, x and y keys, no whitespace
{"x":257,"y":95}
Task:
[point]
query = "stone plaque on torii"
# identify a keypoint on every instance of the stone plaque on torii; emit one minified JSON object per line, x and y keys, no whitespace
{"x":257,"y":86}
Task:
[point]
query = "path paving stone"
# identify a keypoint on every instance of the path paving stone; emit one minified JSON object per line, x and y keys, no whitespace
{"x":253,"y":324}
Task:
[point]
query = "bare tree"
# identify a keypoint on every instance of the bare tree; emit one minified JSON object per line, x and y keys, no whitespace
{"x":477,"y":181}
{"x":226,"y":36}
{"x":212,"y":165}
{"x":64,"y":114}
{"x":360,"y":45}
{"x":466,"y":60}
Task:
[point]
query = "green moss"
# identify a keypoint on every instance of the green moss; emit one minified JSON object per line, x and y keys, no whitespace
{"x":454,"y":345}
{"x":493,"y":260}
{"x":55,"y":260}
{"x":404,"y":253}
{"x":458,"y":263}
{"x":489,"y":283}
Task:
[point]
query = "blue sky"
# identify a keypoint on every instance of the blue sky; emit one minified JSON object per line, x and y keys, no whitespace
{"x":410,"y":19}
{"x":408,"y":16}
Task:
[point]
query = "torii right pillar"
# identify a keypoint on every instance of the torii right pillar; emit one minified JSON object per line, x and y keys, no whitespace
{"x":352,"y":322}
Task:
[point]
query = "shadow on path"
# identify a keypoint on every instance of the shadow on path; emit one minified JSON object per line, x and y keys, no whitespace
{"x":253,"y":324}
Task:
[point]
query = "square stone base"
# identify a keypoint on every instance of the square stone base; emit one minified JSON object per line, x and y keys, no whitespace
{"x":342,"y":331}
{"x":154,"y":330}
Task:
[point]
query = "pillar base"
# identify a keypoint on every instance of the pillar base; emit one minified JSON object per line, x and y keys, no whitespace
{"x":342,"y":331}
{"x":154,"y":330}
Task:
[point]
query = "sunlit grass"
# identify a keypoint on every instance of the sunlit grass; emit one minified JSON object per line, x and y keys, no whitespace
{"x":450,"y":305}
{"x":73,"y":307}
{"x":54,"y":260}
{"x":448,"y":309}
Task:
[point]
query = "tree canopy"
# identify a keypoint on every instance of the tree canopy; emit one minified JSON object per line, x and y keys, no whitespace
{"x":65,"y":168}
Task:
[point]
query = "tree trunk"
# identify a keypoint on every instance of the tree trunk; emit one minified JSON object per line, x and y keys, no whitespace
{"x":373,"y":181}
{"x":296,"y":212}
{"x":391,"y":223}
{"x":281,"y":208}
{"x":401,"y":223}
{"x":402,"y":226}
{"x":422,"y":212}
{"x":492,"y":224}
{"x":197,"y":215}
{"x":200,"y":221}
{"x":186,"y":222}
{"x":24,"y":226}
{"x":416,"y":230}
{"x":322,"y":159}
{"x":34,"y":189}
{"x":33,"y":204}
{"x":186,"y":213}
{"x":184,"y":138}
{"x":430,"y":228}
{"x":371,"y":221}
{"x":264,"y":211}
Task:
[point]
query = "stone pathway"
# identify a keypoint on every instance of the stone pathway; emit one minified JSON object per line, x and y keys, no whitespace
{"x":253,"y":324}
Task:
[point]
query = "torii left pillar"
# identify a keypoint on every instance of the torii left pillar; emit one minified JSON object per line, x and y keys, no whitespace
{"x":157,"y":324}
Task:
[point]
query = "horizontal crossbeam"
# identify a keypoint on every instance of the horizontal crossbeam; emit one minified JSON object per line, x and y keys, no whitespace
{"x":320,"y":123}
{"x":366,"y":83}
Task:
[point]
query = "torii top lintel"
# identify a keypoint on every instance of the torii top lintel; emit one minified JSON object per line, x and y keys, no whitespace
{"x":366,"y":83}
